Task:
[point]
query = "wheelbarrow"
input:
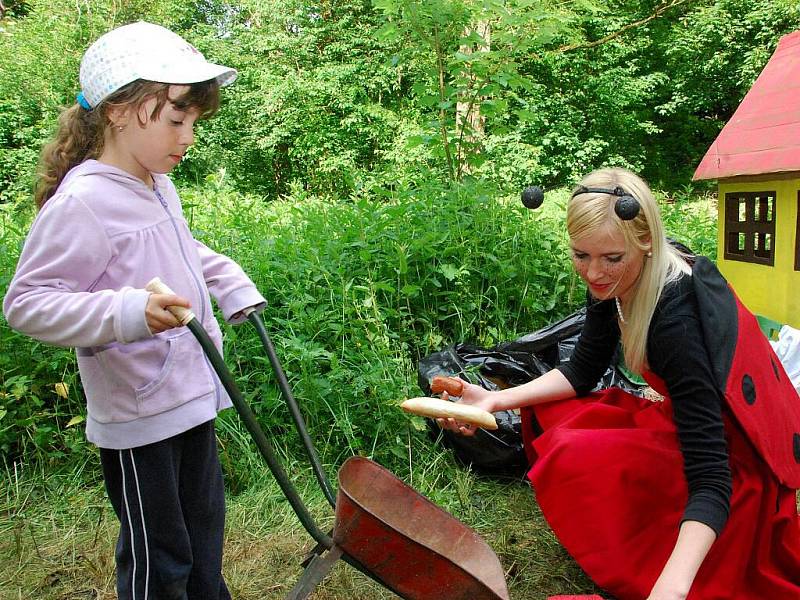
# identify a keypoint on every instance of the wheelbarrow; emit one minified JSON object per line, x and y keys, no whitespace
{"x":382,"y":527}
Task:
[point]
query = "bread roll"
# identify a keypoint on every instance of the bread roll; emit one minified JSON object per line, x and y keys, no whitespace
{"x":438,"y":408}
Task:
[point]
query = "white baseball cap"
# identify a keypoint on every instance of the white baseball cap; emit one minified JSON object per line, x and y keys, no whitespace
{"x":143,"y":51}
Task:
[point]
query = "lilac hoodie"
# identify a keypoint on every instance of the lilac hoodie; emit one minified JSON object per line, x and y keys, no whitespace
{"x":79,"y":282}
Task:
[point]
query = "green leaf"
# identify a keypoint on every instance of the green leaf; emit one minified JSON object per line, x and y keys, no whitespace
{"x":75,"y":420}
{"x":410,"y":290}
{"x":389,"y":33}
{"x":399,"y":450}
{"x":450,"y":271}
{"x":389,"y":6}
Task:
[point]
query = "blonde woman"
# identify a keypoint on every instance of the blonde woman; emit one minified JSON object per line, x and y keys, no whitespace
{"x":692,"y":496}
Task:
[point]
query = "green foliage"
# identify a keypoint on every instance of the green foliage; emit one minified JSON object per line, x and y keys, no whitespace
{"x":324,"y":174}
{"x":311,"y":109}
{"x":32,"y":86}
{"x":468,"y":54}
{"x":691,"y":219}
{"x":342,"y":96}
{"x":705,"y":63}
{"x":358,"y":291}
{"x":651,"y":97}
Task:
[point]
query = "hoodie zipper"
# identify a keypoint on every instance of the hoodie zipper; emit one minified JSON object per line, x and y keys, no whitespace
{"x":188,"y":265}
{"x":200,"y":293}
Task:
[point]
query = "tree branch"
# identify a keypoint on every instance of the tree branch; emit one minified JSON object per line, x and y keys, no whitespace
{"x":657,"y":13}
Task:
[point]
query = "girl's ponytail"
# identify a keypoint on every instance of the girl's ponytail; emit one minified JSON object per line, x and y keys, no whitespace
{"x":80,"y":136}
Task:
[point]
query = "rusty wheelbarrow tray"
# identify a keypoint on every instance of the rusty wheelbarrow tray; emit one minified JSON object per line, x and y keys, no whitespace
{"x":414,"y":547}
{"x":383,"y":527}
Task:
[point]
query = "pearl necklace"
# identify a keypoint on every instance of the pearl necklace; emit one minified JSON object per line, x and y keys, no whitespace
{"x":619,"y":310}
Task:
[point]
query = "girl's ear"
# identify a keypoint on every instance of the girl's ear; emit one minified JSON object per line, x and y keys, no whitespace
{"x":118,"y":116}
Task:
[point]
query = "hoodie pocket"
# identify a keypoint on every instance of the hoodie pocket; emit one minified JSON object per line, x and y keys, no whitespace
{"x":183,"y":376}
{"x":124,"y":382}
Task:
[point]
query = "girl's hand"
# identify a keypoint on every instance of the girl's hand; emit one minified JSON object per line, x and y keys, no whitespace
{"x":473,"y":395}
{"x":158,"y":317}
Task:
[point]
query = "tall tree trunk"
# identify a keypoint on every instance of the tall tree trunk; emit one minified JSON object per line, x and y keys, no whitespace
{"x":469,"y":121}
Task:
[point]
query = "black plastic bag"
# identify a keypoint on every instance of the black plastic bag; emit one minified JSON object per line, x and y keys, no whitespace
{"x":509,"y":364}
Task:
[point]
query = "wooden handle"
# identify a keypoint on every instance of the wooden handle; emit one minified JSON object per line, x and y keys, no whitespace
{"x":156,"y":286}
{"x":438,"y":408}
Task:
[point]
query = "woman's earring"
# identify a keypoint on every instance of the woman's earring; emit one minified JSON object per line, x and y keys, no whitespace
{"x":120,"y":127}
{"x":649,"y":255}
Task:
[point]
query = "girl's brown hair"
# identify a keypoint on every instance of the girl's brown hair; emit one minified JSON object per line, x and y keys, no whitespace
{"x":81,"y":133}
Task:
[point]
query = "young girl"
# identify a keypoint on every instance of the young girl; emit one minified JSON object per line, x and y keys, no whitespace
{"x":109,"y":221}
{"x":690,"y":497}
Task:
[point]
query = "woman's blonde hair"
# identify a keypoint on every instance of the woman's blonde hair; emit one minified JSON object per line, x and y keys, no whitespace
{"x":589,"y":212}
{"x":81,"y":133}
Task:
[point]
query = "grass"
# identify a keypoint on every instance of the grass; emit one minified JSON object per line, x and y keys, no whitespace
{"x":57,"y":536}
{"x":57,"y":541}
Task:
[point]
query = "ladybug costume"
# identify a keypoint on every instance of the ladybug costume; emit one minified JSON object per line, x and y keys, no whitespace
{"x":615,"y":475}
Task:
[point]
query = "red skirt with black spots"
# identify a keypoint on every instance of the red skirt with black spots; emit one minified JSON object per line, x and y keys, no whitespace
{"x":608,"y":475}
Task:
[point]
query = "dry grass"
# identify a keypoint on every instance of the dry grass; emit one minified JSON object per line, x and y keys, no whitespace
{"x":61,"y":548}
{"x":57,"y":540}
{"x":58,"y":543}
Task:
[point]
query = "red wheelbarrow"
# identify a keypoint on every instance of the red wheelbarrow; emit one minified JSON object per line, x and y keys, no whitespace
{"x":383,"y":527}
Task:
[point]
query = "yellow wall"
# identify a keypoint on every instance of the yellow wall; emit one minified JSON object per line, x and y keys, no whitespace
{"x":770,"y":291}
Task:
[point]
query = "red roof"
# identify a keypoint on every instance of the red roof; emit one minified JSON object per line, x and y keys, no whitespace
{"x":763,"y":135}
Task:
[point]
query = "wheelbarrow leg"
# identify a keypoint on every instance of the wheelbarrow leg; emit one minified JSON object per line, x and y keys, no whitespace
{"x":317,"y":568}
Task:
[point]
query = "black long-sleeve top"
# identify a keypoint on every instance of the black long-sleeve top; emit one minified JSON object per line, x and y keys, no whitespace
{"x":677,"y":354}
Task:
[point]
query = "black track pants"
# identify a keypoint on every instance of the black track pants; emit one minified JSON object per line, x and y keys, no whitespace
{"x":170,"y":501}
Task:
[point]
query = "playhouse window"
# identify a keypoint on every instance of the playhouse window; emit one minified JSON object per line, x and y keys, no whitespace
{"x":750,"y":227}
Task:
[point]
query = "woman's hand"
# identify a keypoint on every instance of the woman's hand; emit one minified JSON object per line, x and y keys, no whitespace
{"x":156,"y":314}
{"x":694,"y":542}
{"x":549,"y":387}
{"x":660,"y":593}
{"x":473,"y":395}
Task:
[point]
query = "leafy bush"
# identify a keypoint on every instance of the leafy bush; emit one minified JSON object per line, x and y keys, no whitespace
{"x":41,"y":403}
{"x":322,"y":175}
{"x":691,"y":218}
{"x":358,"y":291}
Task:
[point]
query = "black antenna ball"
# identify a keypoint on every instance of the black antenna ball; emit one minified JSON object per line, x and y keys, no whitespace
{"x":626,"y":207}
{"x":532,"y":196}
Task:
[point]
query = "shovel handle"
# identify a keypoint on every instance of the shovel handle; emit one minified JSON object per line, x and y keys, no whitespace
{"x":156,"y":286}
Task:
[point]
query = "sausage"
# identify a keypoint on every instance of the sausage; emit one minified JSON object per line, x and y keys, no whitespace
{"x":452,"y":385}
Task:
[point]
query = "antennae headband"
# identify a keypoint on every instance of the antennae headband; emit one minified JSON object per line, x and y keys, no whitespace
{"x":626,"y":206}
